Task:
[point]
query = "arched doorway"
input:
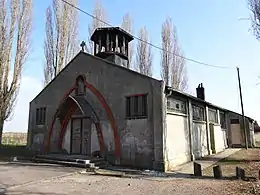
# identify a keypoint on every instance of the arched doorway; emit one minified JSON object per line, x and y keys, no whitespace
{"x":76,"y":130}
{"x":75,"y":98}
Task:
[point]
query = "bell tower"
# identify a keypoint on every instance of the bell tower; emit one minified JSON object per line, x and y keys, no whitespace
{"x":111,"y":43}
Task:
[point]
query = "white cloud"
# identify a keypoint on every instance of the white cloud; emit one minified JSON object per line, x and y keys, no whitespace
{"x":30,"y":87}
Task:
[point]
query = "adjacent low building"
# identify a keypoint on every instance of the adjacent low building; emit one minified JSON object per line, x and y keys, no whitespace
{"x":96,"y":104}
{"x":196,"y":128}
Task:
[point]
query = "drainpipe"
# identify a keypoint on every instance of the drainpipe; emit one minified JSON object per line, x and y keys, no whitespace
{"x":169,"y":94}
{"x":190,"y":123}
{"x":207,"y":131}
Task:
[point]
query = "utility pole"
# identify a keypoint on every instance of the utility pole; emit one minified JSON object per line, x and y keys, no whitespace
{"x":242,"y":107}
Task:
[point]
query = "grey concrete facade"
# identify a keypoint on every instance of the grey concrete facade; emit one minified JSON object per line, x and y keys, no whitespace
{"x":140,"y":140}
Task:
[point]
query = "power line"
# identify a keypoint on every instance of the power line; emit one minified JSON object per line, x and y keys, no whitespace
{"x":155,"y":46}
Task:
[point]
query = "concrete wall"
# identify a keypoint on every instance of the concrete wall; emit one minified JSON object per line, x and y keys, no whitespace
{"x":219,"y":138}
{"x":114,"y":83}
{"x":199,"y":139}
{"x":225,"y":137}
{"x":188,"y":138}
{"x":177,"y":140}
{"x":137,"y":142}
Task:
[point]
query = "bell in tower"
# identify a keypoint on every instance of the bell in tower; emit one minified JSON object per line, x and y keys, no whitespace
{"x":111,"y":43}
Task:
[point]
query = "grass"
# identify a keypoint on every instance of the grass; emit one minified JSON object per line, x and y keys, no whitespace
{"x":12,"y":138}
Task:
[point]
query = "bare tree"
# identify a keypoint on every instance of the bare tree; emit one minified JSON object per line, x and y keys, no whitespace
{"x":127,"y":25}
{"x":15,"y":31}
{"x":61,"y":30}
{"x":173,"y":69}
{"x":254,"y":6}
{"x":179,"y":77}
{"x":100,"y":14}
{"x":144,"y":58}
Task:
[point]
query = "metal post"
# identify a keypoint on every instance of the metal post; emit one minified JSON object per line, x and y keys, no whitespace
{"x":242,"y":107}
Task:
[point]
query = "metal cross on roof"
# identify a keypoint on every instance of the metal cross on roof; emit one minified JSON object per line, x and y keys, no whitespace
{"x":83,"y":45}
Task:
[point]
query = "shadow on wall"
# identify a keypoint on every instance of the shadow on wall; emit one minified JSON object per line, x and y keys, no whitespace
{"x":187,"y":136}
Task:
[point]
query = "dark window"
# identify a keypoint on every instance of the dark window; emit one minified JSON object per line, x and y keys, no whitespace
{"x":176,"y":105}
{"x":213,"y":116}
{"x":80,"y":88}
{"x":222,"y":119}
{"x":40,"y":116}
{"x":198,"y":113}
{"x":234,"y":121}
{"x":136,"y":107}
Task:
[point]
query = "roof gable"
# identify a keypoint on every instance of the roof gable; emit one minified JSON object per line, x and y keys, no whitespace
{"x":53,"y":80}
{"x":86,"y":55}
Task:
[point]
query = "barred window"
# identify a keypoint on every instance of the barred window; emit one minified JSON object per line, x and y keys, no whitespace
{"x":176,"y":105}
{"x":213,"y":116}
{"x":136,"y":107}
{"x":198,"y":113}
{"x":40,"y":116}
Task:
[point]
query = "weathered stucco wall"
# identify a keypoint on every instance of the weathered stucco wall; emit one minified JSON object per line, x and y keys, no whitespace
{"x":137,"y":146}
{"x":114,"y":83}
{"x":199,"y":139}
{"x":225,"y":135}
{"x":177,"y":140}
{"x":219,"y":138}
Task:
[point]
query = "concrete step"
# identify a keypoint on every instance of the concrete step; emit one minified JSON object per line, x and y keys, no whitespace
{"x":68,"y":161}
{"x":101,"y":164}
{"x":60,"y":162}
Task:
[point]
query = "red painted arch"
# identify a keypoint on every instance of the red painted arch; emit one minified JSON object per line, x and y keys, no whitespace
{"x":105,"y":106}
{"x":65,"y":123}
{"x":48,"y":140}
{"x":109,"y":115}
{"x":100,"y":137}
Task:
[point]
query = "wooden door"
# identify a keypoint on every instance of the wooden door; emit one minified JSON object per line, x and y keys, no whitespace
{"x":76,"y":136}
{"x":86,"y":136}
{"x":236,"y":134}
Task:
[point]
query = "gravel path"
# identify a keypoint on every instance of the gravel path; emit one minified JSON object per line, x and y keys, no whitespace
{"x":91,"y":184}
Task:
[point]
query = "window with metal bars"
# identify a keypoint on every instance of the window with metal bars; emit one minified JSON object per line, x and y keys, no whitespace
{"x":213,"y":116}
{"x":40,"y":116}
{"x":175,"y":105}
{"x":198,"y":113}
{"x":136,"y":106}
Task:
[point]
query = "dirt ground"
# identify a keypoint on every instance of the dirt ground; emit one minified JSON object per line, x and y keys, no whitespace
{"x":35,"y":179}
{"x":246,"y":159}
{"x":42,"y":179}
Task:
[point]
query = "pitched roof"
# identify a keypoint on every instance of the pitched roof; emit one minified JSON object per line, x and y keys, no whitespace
{"x":81,"y":53}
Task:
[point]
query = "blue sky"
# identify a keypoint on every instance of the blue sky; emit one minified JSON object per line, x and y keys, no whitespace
{"x":208,"y":31}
